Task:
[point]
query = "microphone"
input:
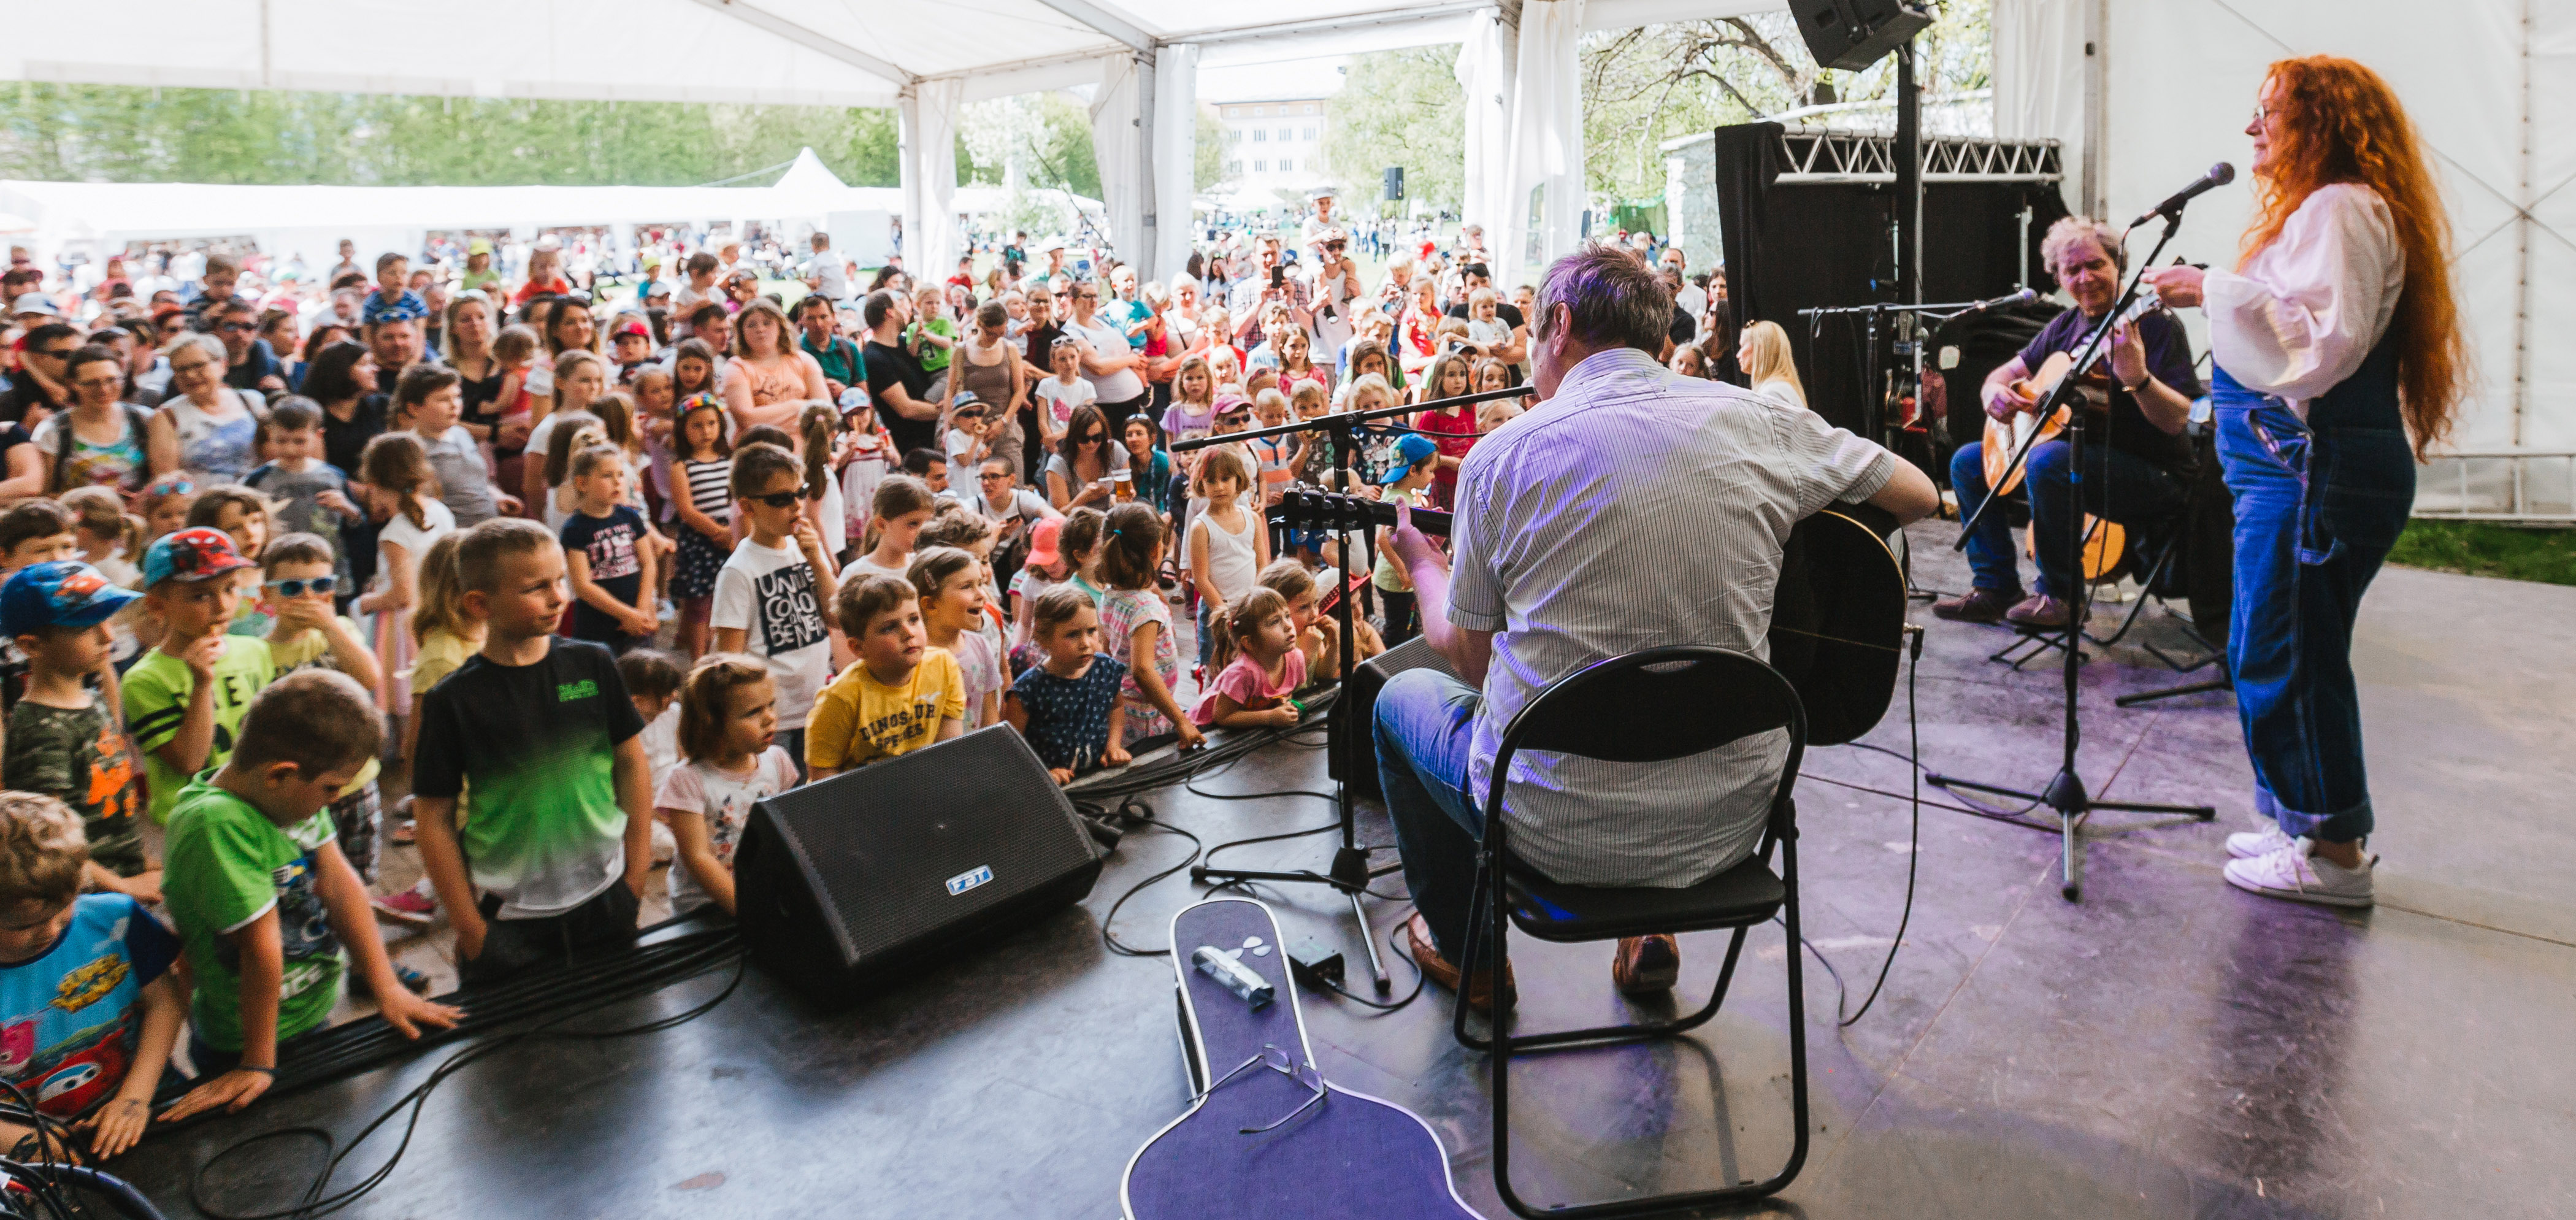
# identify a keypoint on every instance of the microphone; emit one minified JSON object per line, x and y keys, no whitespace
{"x":2009,"y":298}
{"x":2219,"y":175}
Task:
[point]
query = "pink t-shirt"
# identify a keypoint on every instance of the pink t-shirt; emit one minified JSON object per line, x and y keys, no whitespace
{"x":1250,"y":688}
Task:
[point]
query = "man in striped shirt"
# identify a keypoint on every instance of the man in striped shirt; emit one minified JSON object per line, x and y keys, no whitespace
{"x":1634,"y":508}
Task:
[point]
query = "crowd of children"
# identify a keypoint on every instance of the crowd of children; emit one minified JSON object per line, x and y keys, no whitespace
{"x":594,"y":601}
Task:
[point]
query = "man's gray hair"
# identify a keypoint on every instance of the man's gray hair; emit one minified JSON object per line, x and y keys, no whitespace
{"x":200,"y":340}
{"x":1613,"y":298}
{"x":2071,"y":231}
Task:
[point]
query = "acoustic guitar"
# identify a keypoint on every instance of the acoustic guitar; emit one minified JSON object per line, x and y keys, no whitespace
{"x":2104,"y":541}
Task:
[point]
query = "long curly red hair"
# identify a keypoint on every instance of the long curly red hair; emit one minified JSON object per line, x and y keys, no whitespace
{"x":2340,"y":122}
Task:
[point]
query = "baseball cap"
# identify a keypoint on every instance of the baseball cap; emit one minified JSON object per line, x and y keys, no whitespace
{"x":202,"y":553}
{"x":1042,"y":541}
{"x":480,"y":245}
{"x":633,"y":327}
{"x":1415,"y":449}
{"x":34,"y":302}
{"x":62,"y":593}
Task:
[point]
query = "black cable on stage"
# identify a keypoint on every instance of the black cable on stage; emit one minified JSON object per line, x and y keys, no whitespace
{"x":1913,"y":855}
{"x":1108,"y":922}
{"x":314,"y":1203}
{"x":1387,"y":1005}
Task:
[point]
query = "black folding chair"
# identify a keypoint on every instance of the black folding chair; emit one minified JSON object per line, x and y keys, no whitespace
{"x":1649,"y":706}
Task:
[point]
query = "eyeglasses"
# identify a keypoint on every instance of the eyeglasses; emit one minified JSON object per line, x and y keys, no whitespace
{"x":56,"y":353}
{"x":97,"y":383}
{"x":2261,"y":112}
{"x":782,"y":499}
{"x":239,"y":328}
{"x":1277,"y":1060}
{"x":994,"y":475}
{"x":297,"y":588}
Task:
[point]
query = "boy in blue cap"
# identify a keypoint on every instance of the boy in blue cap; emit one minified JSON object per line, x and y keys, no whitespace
{"x":1416,"y":463}
{"x":62,"y":741}
{"x":184,"y":700}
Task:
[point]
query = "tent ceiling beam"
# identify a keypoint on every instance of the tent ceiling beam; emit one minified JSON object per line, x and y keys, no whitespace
{"x":772,"y":23}
{"x":1106,"y":20}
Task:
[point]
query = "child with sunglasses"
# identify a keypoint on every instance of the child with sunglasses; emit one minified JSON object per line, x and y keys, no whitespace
{"x":297,"y":586}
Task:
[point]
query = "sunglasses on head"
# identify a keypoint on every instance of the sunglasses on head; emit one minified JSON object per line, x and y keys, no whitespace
{"x":779,"y":499}
{"x":297,"y":588}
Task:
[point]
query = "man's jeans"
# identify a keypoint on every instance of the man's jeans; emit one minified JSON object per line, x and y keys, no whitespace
{"x":1424,"y":722}
{"x":2123,"y":486}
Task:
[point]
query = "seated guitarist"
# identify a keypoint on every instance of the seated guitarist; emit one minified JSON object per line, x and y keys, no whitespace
{"x":1634,"y":508}
{"x":2136,"y":457}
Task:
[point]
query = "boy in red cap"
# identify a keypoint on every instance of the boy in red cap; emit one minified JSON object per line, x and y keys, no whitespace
{"x":184,"y":700}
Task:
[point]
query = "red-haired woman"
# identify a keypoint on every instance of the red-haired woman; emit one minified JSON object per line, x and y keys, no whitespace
{"x":2339,"y":364}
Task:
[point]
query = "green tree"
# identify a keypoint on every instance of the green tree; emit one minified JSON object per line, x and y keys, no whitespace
{"x":1650,"y":84}
{"x":1207,"y":165}
{"x":1400,"y":108}
{"x":121,"y":134}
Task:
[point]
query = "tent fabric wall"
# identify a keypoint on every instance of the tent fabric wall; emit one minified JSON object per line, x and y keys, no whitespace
{"x":929,"y":156}
{"x":1117,"y":144}
{"x":2477,"y":76}
{"x":1543,"y":185}
{"x":1487,"y":59}
{"x":1175,"y":154}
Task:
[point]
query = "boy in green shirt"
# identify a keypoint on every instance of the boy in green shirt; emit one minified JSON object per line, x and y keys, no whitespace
{"x":185,"y":699}
{"x":264,"y":899}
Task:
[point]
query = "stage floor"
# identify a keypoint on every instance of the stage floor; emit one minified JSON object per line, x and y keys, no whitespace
{"x":2168,"y":1048}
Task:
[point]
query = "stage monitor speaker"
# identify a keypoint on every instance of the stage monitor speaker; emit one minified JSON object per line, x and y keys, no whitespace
{"x":1850,"y":35}
{"x":1394,"y":182}
{"x":1356,"y":710}
{"x":842,"y":882}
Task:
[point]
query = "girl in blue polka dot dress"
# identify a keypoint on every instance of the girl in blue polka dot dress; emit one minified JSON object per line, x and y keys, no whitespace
{"x":1067,"y":706}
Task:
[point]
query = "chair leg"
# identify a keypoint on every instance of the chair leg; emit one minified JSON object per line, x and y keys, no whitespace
{"x":1504,"y":1043}
{"x":1476,"y":908}
{"x":2145,"y":593}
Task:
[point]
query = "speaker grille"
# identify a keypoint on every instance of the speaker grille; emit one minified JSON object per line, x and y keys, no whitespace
{"x":903,"y":849}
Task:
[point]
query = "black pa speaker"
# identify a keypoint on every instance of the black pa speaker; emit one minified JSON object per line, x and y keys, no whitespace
{"x":864,"y":874}
{"x":1850,"y":35}
{"x":1394,"y":182}
{"x":1355,"y":712}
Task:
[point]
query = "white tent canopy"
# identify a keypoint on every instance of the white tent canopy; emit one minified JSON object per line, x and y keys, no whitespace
{"x":926,"y":59}
{"x":2175,"y":86}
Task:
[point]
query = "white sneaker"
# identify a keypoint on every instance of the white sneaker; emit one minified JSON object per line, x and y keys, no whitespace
{"x":2253,"y":844}
{"x":2293,"y":874}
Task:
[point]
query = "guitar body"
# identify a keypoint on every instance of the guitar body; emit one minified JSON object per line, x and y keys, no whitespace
{"x":1838,"y":620}
{"x":1347,"y":1155}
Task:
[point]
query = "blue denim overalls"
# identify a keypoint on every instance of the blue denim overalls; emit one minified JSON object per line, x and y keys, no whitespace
{"x":2318,"y":504}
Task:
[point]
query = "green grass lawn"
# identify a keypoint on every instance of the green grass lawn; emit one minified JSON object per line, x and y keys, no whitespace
{"x":2486,"y":548}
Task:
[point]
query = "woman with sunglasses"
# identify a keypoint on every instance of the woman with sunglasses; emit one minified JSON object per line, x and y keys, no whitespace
{"x":1085,"y":464}
{"x":205,"y":427}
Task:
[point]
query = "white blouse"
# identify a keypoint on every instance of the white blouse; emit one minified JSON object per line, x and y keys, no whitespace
{"x":2301,"y":315}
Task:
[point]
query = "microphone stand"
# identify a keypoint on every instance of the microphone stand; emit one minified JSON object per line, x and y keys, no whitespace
{"x":1350,"y":872}
{"x":2066,"y":792}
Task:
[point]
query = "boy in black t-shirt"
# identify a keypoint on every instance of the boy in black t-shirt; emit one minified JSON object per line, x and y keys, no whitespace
{"x":609,"y":553}
{"x":561,"y":841}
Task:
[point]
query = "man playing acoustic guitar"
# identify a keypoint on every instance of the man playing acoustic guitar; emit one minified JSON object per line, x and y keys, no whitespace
{"x":2136,"y":457}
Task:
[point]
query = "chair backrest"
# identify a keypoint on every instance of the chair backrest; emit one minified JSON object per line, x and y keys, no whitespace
{"x":1656,"y":704}
{"x":1653,"y":705}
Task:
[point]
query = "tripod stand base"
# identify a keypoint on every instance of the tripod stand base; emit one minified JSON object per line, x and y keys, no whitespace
{"x":2073,"y":805}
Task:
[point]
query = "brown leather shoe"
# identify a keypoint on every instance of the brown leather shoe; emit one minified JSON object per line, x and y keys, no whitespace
{"x":1479,"y":997}
{"x":1975,"y":606}
{"x":1646,"y":964}
{"x":2040,"y":611}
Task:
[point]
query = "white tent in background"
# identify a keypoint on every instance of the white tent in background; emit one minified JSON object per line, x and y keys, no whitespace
{"x":926,"y":59}
{"x":2174,"y":86}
